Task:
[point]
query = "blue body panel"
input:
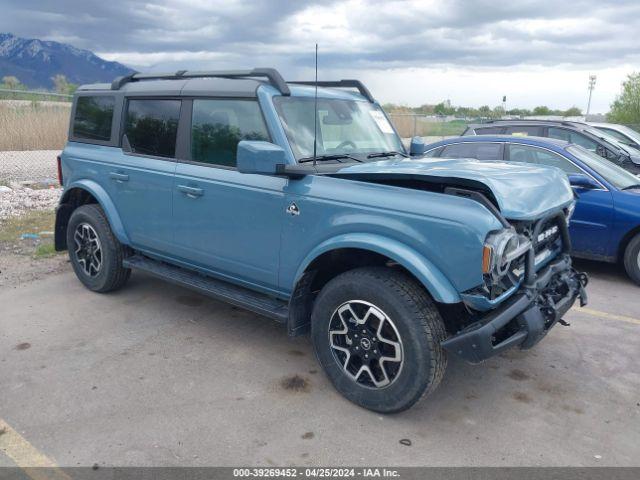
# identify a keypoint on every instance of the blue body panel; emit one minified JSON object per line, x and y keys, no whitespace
{"x":523,"y":192}
{"x":434,"y":237}
{"x":235,"y":226}
{"x":603,"y":219}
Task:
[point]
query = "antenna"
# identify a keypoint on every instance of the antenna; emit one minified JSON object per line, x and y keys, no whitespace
{"x":315,"y":113}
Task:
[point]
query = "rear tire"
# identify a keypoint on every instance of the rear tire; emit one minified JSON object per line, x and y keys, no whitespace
{"x":388,"y":317}
{"x":95,"y":253}
{"x":632,"y":259}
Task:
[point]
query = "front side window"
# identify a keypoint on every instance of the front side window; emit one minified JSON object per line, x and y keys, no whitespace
{"x":617,"y":135}
{"x":539,"y":156}
{"x":343,"y":127}
{"x":573,"y":137}
{"x":152,"y":126}
{"x":481,"y":151}
{"x":219,"y":125}
{"x":613,"y":174}
{"x":93,"y":118}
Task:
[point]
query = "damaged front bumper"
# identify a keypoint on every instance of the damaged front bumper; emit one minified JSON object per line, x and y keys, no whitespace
{"x":526,"y":317}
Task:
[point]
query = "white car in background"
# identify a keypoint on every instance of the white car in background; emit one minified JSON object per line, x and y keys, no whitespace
{"x":622,"y":133}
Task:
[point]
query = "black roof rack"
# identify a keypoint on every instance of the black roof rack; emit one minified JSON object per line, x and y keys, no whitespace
{"x":271,"y":74}
{"x":364,"y":91}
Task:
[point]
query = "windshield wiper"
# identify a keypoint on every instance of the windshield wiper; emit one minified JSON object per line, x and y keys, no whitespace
{"x":391,"y":153}
{"x":635,"y":185}
{"x":336,"y":156}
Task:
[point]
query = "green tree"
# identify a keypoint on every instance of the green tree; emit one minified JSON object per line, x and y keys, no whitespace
{"x":572,"y":112}
{"x":519,"y":112}
{"x":10,"y":82}
{"x":542,"y":110}
{"x":61,"y":85}
{"x":443,"y":109}
{"x":626,"y":106}
{"x":485,"y":111}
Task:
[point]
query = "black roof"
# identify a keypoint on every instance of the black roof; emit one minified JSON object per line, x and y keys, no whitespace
{"x":506,"y":123}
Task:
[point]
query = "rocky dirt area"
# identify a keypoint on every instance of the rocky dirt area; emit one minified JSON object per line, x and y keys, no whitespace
{"x":16,"y":198}
{"x":26,"y":244}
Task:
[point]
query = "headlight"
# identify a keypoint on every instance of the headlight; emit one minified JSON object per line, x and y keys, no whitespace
{"x":500,"y":249}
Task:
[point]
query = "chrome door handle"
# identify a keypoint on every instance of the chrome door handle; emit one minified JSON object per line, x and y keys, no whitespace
{"x":119,"y":177}
{"x":191,"y":192}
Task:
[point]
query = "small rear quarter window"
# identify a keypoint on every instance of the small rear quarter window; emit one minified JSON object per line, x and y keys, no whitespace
{"x":93,"y":118}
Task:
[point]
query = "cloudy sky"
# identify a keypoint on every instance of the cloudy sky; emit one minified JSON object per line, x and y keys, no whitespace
{"x":411,"y":52}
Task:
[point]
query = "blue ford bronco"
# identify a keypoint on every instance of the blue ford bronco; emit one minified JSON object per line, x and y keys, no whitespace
{"x":298,"y":201}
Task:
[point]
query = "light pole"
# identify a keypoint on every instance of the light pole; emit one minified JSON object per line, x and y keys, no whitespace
{"x":592,"y":85}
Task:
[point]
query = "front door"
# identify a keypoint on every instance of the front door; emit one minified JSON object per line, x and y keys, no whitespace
{"x":227,"y":222}
{"x":590,"y":227}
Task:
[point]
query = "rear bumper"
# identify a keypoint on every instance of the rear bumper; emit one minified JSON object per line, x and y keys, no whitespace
{"x":526,"y":317}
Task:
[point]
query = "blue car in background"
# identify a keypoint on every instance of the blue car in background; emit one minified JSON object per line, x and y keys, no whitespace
{"x":606,"y":223}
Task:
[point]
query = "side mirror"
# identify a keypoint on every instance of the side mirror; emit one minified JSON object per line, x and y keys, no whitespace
{"x":260,"y":157}
{"x":417,"y":146}
{"x":580,"y":180}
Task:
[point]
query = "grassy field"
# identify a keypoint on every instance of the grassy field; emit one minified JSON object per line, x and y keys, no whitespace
{"x":40,"y":222}
{"x":33,"y":126}
{"x":407,"y":126}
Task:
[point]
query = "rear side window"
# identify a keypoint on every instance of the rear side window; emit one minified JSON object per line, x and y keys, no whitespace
{"x":481,"y":151}
{"x":525,"y":131}
{"x":152,"y":126}
{"x":93,"y":118}
{"x":218,"y":126}
{"x":489,"y":130}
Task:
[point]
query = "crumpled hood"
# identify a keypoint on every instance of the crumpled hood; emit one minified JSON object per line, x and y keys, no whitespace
{"x":523,"y":192}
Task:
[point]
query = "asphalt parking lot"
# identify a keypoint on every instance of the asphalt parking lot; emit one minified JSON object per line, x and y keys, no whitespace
{"x":158,"y":375}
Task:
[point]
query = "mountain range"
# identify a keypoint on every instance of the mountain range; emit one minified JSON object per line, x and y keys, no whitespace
{"x":35,"y":61}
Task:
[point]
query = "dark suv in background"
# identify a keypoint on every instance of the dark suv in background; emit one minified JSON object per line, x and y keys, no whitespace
{"x":573,"y":132}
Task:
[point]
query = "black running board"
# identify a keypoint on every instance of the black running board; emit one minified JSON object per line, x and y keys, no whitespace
{"x":218,"y":289}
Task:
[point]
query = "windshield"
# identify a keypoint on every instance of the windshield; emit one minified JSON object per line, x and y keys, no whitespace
{"x":343,"y":127}
{"x":616,"y":176}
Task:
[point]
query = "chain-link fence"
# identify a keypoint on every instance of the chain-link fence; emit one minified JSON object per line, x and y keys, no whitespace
{"x":32,"y":134}
{"x":431,"y":127}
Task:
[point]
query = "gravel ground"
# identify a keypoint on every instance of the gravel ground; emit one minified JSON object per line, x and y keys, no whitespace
{"x":33,"y":165}
{"x":16,"y":199}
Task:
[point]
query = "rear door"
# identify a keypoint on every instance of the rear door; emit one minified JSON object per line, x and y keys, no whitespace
{"x":142,"y":180}
{"x":226,"y":222}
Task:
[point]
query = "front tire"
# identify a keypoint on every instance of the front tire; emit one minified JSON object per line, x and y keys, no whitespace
{"x":632,"y":259}
{"x":377,"y":335}
{"x":95,"y":253}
